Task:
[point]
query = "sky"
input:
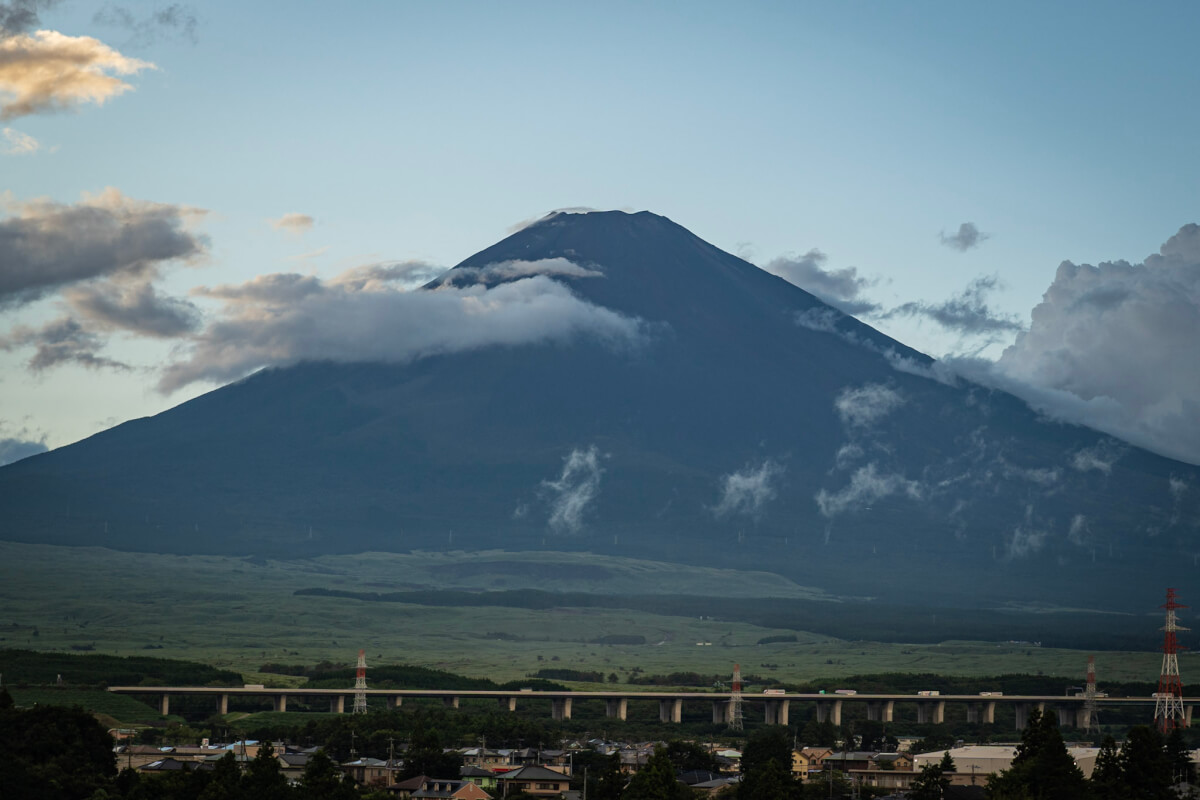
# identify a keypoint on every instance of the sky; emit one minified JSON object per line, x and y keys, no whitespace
{"x":1008,"y":188}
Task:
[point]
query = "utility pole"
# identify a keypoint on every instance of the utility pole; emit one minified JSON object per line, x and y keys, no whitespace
{"x":1168,"y":701}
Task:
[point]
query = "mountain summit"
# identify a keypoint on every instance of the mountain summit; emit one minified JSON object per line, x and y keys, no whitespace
{"x":714,"y":414}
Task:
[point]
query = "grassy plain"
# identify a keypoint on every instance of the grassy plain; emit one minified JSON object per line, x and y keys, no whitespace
{"x":238,"y":614}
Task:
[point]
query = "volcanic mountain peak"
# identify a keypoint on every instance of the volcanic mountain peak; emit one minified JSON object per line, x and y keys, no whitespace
{"x":757,"y":427}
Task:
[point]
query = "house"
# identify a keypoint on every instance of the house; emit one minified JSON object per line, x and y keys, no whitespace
{"x":483,"y":778}
{"x":534,"y":780}
{"x":368,"y":771}
{"x":808,"y":761}
{"x":405,"y":788}
{"x":849,"y":760}
{"x":458,"y":790}
{"x":897,"y":762}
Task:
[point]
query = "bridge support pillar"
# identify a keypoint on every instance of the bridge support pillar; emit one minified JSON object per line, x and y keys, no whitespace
{"x":164,"y":704}
{"x":222,"y":704}
{"x":931,"y":712}
{"x":670,"y":709}
{"x":984,"y":713}
{"x":394,"y":701}
{"x":508,"y":703}
{"x":280,"y":702}
{"x":616,"y":707}
{"x":560,"y":708}
{"x":1187,"y":716}
{"x":777,"y":712}
{"x":1023,"y":710}
{"x":1066,"y":716}
{"x":882,"y":711}
{"x":721,"y":712}
{"x":337,"y":704}
{"x":1082,"y":718}
{"x":450,"y":702}
{"x":830,"y":710}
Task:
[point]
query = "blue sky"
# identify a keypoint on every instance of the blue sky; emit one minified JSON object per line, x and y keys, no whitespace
{"x":424,"y":131}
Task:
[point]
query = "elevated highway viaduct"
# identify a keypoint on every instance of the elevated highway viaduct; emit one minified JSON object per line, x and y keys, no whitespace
{"x":775,"y":707}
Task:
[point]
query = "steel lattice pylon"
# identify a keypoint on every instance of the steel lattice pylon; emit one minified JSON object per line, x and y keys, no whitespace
{"x":360,"y":684}
{"x":1092,"y":720}
{"x":1168,"y":700}
{"x":735,"y":699}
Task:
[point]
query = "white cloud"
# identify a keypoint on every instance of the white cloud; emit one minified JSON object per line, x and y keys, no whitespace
{"x":576,"y":488}
{"x":1100,"y":457}
{"x":48,"y":71}
{"x":1113,"y":346}
{"x":513,"y":270}
{"x":283,"y":319}
{"x":866,"y":486}
{"x":864,"y":406}
{"x":747,"y":491}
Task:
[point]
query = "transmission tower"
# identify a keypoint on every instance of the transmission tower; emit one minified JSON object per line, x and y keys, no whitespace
{"x":1168,"y":701}
{"x":360,"y":684}
{"x":735,"y":699}
{"x":1092,"y":725}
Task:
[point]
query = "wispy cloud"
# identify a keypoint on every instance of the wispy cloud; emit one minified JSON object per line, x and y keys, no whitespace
{"x":841,"y":288}
{"x":1100,"y":457}
{"x":502,"y":271}
{"x":967,"y":312}
{"x":1027,"y":538}
{"x":176,"y":21}
{"x":61,"y":341}
{"x":19,"y":442}
{"x":968,"y":236}
{"x":748,"y":490}
{"x":864,"y":406}
{"x":17,"y":143}
{"x":575,"y":489}
{"x":293,"y":223}
{"x":867,"y":485}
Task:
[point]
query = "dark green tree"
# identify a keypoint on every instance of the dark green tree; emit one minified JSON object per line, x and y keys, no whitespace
{"x":767,"y":766}
{"x":1106,"y":781}
{"x":263,"y":778}
{"x":426,"y":757}
{"x":1042,"y":768}
{"x":932,"y":783}
{"x":1145,"y":768}
{"x":689,"y":756}
{"x":322,"y":780}
{"x":947,"y":764}
{"x":656,"y":781}
{"x":1180,"y":758}
{"x":225,"y":781}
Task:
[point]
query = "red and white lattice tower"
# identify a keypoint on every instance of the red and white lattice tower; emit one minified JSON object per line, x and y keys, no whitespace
{"x":360,"y":684}
{"x":1092,"y":719}
{"x":735,"y":699}
{"x":1168,"y":701}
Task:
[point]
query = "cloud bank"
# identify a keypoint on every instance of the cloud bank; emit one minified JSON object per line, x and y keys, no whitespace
{"x":47,"y":71}
{"x":46,"y":245}
{"x":359,"y":316}
{"x":1114,"y":346}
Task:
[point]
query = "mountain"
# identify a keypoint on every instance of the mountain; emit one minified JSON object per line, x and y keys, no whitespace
{"x":746,"y":424}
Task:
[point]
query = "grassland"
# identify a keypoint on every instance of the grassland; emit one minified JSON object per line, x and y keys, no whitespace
{"x":237,"y":614}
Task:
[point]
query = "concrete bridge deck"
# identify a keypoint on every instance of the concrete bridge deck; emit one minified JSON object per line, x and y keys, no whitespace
{"x":1071,"y":710}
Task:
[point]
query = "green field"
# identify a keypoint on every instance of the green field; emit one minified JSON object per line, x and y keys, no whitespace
{"x":237,"y":614}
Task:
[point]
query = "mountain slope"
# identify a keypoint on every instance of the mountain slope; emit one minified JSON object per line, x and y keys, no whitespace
{"x":751,"y":426}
